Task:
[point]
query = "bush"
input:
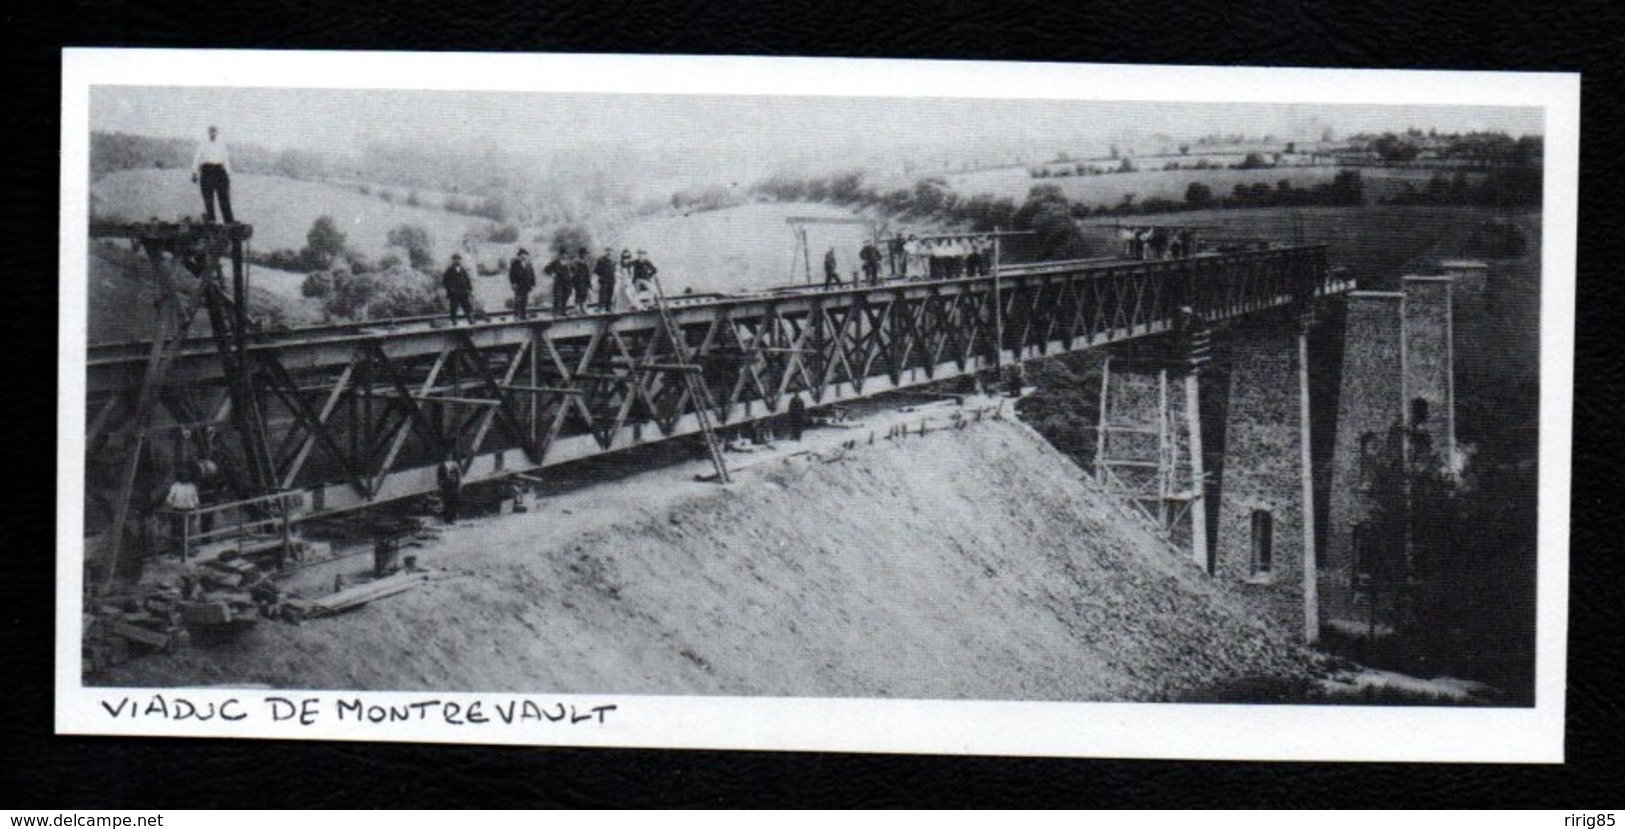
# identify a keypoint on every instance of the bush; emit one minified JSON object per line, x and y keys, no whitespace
{"x":404,"y":292}
{"x":504,"y":234}
{"x":324,"y":240}
{"x":1253,"y":161}
{"x":286,"y":260}
{"x":572,"y":238}
{"x":416,"y":241}
{"x":1198,"y":195}
{"x":318,"y":285}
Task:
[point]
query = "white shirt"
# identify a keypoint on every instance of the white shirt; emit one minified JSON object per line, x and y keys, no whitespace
{"x":211,"y":152}
{"x":182,"y":496}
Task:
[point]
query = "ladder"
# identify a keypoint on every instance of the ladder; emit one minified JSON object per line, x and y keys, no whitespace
{"x":168,"y":335}
{"x":698,"y":392}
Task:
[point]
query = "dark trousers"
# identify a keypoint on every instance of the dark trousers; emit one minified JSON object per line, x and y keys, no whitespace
{"x":606,"y":294}
{"x":871,"y":272}
{"x":583,"y":291}
{"x":561,"y":295}
{"x":460,"y":301}
{"x":214,"y":181}
{"x":451,"y":501}
{"x":521,"y":303}
{"x":831,"y":279}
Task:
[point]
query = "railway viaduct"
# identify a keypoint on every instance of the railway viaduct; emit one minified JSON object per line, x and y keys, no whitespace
{"x":318,"y":421}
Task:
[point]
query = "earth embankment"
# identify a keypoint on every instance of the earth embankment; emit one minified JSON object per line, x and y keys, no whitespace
{"x":968,"y":563}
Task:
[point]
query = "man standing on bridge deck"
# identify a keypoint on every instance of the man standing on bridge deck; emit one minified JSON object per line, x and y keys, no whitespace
{"x":643,"y":275}
{"x":522,"y":276}
{"x":897,"y":265}
{"x":911,"y":250}
{"x":975,"y":264}
{"x":581,"y":280}
{"x":870,"y":256}
{"x":559,"y":271}
{"x":604,"y":269}
{"x":211,"y":171}
{"x":832,"y":274}
{"x":459,"y":288}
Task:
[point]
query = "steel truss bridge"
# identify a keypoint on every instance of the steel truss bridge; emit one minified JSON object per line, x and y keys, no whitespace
{"x":348,"y":416}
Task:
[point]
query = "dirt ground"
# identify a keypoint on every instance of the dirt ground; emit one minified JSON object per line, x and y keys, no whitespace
{"x":968,"y":563}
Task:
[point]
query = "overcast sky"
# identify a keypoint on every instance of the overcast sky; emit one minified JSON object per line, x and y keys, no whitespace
{"x":535,"y":122}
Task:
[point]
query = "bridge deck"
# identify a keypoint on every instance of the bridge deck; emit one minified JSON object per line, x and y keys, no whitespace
{"x":361,"y":414}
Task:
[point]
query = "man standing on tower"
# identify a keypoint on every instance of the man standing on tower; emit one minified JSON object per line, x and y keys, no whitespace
{"x":211,"y":171}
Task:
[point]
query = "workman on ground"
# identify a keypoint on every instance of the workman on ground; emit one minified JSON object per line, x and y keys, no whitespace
{"x":182,"y":500}
{"x":450,"y":476}
{"x":798,"y":417}
{"x":522,"y":276}
{"x":459,"y":289}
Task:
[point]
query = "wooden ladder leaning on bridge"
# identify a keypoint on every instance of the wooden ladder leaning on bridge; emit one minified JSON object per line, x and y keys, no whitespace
{"x":698,"y":392}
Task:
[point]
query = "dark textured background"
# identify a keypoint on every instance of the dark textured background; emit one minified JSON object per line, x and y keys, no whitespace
{"x":40,"y":769}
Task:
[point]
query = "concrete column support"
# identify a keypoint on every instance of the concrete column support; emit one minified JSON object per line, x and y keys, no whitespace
{"x":1430,"y":373}
{"x":1265,"y":530}
{"x":1370,"y":400}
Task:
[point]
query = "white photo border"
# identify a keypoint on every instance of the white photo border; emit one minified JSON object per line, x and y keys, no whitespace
{"x":1122,"y":730}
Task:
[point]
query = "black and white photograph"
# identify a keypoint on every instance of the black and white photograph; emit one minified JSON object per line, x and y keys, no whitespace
{"x":812,"y":404}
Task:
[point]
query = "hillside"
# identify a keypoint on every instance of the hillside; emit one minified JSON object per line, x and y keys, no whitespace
{"x":965,"y":564}
{"x":1108,"y":190}
{"x":1377,"y":244}
{"x":280,"y":209}
{"x":122,"y":294}
{"x":746,"y":247}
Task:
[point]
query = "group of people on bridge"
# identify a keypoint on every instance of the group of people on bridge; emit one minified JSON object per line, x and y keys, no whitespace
{"x":1156,"y":242}
{"x":572,"y":276}
{"x":913,"y":258}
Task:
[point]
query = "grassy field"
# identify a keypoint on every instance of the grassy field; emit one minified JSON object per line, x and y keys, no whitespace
{"x":280,"y":209}
{"x":746,"y":247}
{"x":741,"y":248}
{"x":1378,"y":245}
{"x":1109,"y":190}
{"x":122,"y":297}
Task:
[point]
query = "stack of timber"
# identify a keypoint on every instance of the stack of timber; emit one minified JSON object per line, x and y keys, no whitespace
{"x":214,"y":596}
